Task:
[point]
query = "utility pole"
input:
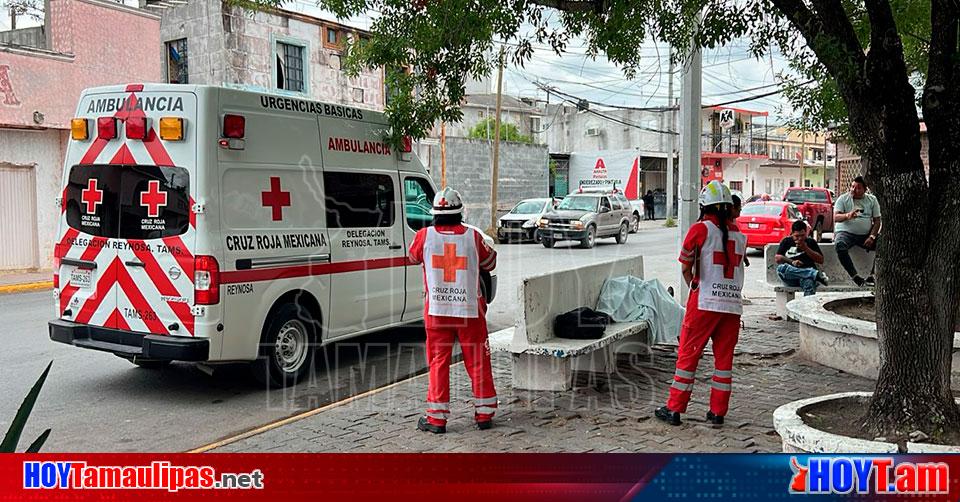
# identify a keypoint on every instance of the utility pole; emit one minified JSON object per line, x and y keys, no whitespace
{"x":690,"y":128}
{"x":443,"y":155}
{"x":495,"y":179}
{"x":672,"y":142}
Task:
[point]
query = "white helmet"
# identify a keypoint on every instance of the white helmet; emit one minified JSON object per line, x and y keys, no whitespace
{"x":715,"y":193}
{"x":447,"y":201}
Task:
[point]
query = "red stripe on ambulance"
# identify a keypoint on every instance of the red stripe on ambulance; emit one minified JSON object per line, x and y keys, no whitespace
{"x":269,"y":274}
{"x":164,"y":285}
{"x":139,"y":303}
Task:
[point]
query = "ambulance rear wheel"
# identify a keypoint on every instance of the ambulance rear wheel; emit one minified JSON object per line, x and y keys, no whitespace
{"x":286,"y":347}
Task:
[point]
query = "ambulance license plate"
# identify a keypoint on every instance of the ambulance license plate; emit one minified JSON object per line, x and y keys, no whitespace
{"x":82,"y":278}
{"x":753,"y":225}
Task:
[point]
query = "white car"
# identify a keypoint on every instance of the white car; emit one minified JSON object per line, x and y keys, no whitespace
{"x":520,"y":224}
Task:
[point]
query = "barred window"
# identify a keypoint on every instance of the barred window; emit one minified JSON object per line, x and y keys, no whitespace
{"x":177,"y":62}
{"x":290,"y":67}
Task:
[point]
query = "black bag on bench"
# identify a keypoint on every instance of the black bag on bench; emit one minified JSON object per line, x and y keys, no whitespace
{"x":582,"y":323}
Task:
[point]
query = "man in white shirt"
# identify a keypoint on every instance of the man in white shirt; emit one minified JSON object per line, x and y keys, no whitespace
{"x":857,"y":217}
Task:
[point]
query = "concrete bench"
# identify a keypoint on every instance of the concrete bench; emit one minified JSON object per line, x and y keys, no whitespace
{"x":542,"y":361}
{"x":839,"y":280}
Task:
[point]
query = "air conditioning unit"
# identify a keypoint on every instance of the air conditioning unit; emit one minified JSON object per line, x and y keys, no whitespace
{"x":592,"y":131}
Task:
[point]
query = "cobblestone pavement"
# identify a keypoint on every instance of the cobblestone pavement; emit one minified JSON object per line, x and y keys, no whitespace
{"x":600,"y":415}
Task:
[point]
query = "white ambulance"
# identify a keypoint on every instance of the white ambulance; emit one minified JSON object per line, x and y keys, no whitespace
{"x":218,"y":225}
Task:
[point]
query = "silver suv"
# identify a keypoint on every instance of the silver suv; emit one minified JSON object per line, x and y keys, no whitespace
{"x":585,"y":217}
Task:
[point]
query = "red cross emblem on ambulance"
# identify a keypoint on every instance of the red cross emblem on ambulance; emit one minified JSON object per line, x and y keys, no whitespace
{"x":91,"y":196}
{"x":449,"y":262}
{"x":153,"y":199}
{"x":276,"y":199}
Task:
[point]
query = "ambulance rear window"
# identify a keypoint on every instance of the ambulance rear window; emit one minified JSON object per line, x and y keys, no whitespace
{"x":128,"y":202}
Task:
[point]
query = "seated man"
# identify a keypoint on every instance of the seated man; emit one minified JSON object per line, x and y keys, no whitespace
{"x":857,"y":217}
{"x":797,"y":258}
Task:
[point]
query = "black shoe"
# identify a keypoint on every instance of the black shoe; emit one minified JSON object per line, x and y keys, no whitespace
{"x":870,"y":282}
{"x":426,"y":426}
{"x":670,"y":417}
{"x":484,"y":425}
{"x":858,"y":281}
{"x":714,"y":419}
{"x":823,"y":278}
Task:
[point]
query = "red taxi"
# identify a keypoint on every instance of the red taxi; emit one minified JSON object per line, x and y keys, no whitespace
{"x":767,"y":222}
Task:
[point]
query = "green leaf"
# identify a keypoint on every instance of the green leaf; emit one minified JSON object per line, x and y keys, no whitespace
{"x":12,"y":437}
{"x":38,"y":443}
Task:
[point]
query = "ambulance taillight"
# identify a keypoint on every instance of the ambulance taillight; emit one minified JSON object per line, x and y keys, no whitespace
{"x":233,"y":132}
{"x":106,"y":127}
{"x":206,"y":280}
{"x":137,"y":127}
{"x":78,"y":129}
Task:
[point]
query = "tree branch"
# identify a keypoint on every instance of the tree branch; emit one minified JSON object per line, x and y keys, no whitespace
{"x":573,"y":5}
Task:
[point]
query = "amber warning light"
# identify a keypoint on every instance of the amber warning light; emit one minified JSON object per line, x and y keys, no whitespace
{"x":78,"y":129}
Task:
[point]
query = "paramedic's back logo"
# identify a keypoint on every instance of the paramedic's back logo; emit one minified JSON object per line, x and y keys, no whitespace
{"x":862,"y":475}
{"x":449,"y":262}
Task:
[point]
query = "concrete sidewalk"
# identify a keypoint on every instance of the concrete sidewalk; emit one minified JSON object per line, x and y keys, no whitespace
{"x":598,"y":415}
{"x":17,"y":282}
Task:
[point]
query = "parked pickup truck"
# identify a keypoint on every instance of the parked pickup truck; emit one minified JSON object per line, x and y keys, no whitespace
{"x":816,"y":206}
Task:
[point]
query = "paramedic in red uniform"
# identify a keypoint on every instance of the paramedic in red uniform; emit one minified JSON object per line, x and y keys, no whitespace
{"x":712,"y":264}
{"x":454,"y":309}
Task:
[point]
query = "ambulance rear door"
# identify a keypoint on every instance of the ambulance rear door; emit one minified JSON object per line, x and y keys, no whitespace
{"x":365,"y":221}
{"x":132,"y":192}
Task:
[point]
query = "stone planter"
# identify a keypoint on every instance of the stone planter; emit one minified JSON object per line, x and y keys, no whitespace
{"x":845,"y":343}
{"x":799,"y":437}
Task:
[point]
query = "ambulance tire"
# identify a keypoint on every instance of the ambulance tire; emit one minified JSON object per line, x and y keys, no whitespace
{"x":286,"y":347}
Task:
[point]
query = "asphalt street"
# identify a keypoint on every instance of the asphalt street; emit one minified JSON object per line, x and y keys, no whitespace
{"x":95,"y":401}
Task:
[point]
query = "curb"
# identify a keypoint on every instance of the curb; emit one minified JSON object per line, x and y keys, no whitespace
{"x":24,"y":287}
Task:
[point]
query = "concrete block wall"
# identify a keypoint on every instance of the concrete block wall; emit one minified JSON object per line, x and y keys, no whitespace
{"x":523,"y":174}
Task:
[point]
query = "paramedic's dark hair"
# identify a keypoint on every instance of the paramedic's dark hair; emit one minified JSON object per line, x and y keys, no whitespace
{"x":722,"y":211}
{"x":448,"y":219}
{"x":799,"y":226}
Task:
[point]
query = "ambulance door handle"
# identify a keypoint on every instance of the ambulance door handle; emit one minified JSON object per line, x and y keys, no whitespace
{"x":85,"y":264}
{"x":134,"y":263}
{"x":396,"y":246}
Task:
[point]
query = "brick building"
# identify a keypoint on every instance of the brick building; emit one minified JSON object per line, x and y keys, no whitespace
{"x":43,"y":69}
{"x":284,"y":52}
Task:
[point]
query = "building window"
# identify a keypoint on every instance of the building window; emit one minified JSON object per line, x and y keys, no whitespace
{"x":290,"y":67}
{"x":177,"y":62}
{"x":333,"y":38}
{"x":358,"y":95}
{"x":736,"y":185}
{"x":535,"y":125}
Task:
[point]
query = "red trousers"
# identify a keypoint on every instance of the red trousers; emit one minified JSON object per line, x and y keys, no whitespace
{"x":472,"y":335}
{"x":698,"y":327}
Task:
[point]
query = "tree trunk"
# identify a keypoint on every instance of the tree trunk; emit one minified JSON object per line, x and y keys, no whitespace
{"x":917,"y":266}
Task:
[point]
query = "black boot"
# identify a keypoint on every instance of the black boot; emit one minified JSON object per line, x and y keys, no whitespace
{"x":426,"y":426}
{"x":670,"y":417}
{"x":714,"y":419}
{"x":484,"y":425}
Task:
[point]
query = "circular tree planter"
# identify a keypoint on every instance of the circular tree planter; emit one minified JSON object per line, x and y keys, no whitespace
{"x":800,"y":437}
{"x":845,"y":343}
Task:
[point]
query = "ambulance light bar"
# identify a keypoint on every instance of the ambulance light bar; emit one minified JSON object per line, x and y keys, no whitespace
{"x":137,"y":127}
{"x":171,"y":128}
{"x":106,"y":127}
{"x":78,"y":129}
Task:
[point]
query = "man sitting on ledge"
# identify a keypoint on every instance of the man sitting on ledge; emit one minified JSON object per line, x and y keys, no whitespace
{"x":797,"y":258}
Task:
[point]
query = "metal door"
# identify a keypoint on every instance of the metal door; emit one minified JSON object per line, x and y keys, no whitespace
{"x":18,"y":217}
